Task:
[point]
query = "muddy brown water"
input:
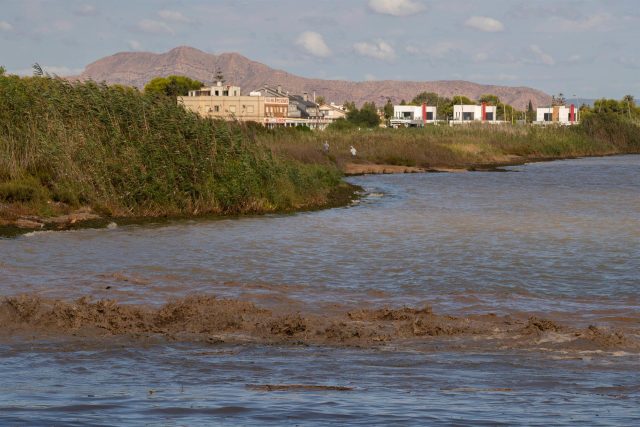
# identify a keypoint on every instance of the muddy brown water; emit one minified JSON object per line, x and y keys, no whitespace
{"x":474,"y":298}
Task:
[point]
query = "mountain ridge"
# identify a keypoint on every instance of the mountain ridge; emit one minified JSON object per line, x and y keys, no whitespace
{"x":137,"y":68}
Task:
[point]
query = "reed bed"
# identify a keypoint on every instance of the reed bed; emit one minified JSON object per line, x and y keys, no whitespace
{"x":461,"y":146}
{"x":123,"y":153}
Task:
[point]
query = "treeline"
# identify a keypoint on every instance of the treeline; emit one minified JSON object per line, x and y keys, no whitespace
{"x":125,"y":153}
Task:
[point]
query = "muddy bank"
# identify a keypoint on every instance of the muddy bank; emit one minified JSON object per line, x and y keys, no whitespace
{"x":213,"y":320}
{"x":13,"y":224}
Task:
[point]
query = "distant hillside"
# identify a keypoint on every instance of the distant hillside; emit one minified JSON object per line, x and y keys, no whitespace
{"x":137,"y":68}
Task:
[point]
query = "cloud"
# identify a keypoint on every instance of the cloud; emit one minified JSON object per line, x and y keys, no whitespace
{"x":396,"y":7}
{"x":173,"y":16}
{"x":629,"y":62}
{"x":484,"y":23}
{"x":154,"y":27}
{"x":314,"y":44}
{"x":5,"y":26}
{"x":480,"y":57}
{"x":379,"y":50}
{"x":599,"y":21}
{"x":86,"y":10}
{"x":134,"y":45}
{"x":541,"y":56}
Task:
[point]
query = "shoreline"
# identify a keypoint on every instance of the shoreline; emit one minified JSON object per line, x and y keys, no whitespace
{"x":83,"y":218}
{"x":341,"y":196}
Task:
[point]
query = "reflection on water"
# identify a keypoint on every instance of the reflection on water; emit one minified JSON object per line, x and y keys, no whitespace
{"x":560,"y":239}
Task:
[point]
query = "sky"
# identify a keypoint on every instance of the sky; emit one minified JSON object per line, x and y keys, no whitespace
{"x":587,"y":48}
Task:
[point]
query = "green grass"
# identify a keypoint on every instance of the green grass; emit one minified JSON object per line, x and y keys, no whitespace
{"x":125,"y":153}
{"x":462,"y":146}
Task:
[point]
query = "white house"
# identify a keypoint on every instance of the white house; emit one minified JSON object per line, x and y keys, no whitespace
{"x":413,"y":115}
{"x":557,"y":114}
{"x":475,"y":113}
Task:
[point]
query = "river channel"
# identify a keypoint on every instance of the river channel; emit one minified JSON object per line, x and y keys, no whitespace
{"x":554,"y":240}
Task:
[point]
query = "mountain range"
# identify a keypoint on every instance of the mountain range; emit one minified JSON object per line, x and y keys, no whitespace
{"x":137,"y":68}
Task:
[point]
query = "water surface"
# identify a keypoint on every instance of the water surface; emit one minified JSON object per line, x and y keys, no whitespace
{"x":558,"y":239}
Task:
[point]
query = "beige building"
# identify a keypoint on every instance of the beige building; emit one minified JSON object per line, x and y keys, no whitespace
{"x":226,"y":102}
{"x":332,"y":112}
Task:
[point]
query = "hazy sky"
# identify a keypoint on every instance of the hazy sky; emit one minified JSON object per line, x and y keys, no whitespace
{"x":588,"y":48}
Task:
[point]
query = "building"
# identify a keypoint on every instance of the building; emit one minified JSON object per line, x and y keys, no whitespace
{"x":300,"y":106}
{"x":332,"y":112}
{"x":226,"y":102}
{"x":413,"y":115}
{"x":475,"y":113}
{"x":558,"y":114}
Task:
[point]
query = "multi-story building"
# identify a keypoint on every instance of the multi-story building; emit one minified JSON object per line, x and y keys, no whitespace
{"x":226,"y":102}
{"x":474,"y":113}
{"x":300,"y":106}
{"x":557,"y":114}
{"x":413,"y":115}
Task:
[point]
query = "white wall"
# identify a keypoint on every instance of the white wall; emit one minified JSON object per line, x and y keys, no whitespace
{"x":475,"y":109}
{"x":414,"y":112}
{"x":564,"y":114}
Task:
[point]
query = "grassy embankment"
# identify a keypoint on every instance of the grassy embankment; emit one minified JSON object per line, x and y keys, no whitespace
{"x":93,"y":149}
{"x":463,"y":147}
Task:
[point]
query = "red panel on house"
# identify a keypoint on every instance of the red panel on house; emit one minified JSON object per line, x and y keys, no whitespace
{"x":424,"y":113}
{"x":484,"y":111}
{"x":572,"y":113}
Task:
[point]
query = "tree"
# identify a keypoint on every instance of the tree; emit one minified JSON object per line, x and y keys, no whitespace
{"x":558,"y":100}
{"x":429,"y":98}
{"x":219,"y":77}
{"x":461,"y":99}
{"x":367,"y":116}
{"x":320,"y":100}
{"x":630,"y":103}
{"x":172,"y":85}
{"x":490,"y":99}
{"x":2,"y":70}
{"x":403,"y":102}
{"x":531,"y":115}
{"x":349,"y":106}
{"x":388,"y":110}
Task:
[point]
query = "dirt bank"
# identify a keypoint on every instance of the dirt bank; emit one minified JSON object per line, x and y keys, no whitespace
{"x":209,"y":319}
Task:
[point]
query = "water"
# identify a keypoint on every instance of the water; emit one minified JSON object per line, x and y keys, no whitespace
{"x":559,"y":240}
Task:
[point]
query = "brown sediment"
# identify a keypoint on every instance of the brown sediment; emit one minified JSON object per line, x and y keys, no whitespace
{"x":205,"y":318}
{"x":373,"y":168}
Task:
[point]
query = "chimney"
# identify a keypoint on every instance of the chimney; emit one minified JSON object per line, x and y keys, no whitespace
{"x":305,"y":96}
{"x":314,"y":96}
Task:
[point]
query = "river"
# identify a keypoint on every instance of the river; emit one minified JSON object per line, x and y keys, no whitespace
{"x":554,"y":240}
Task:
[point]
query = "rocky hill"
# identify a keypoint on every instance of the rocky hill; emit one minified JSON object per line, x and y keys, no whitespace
{"x":137,"y":68}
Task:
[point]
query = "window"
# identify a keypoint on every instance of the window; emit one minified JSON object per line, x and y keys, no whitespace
{"x":548,"y":117}
{"x":467,"y":116}
{"x":217,"y":93}
{"x":489,"y":115}
{"x":429,"y":115}
{"x":216,"y":108}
